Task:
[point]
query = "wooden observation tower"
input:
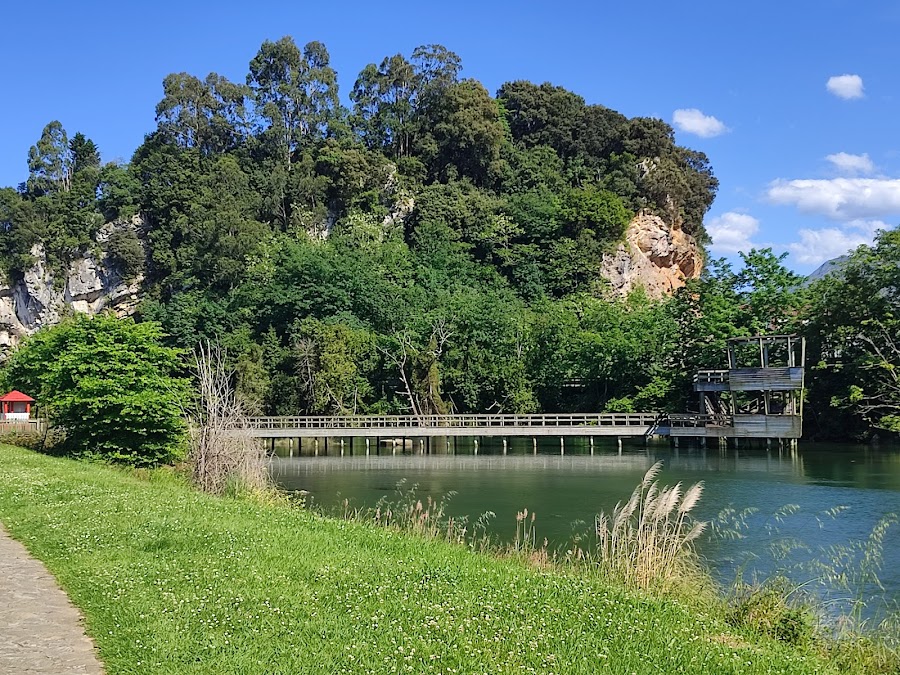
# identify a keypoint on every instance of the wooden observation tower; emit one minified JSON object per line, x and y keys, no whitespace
{"x":761,"y":392}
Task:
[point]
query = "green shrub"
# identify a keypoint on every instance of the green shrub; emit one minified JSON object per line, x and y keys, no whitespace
{"x":32,"y":440}
{"x":109,"y":384}
{"x":874,"y":653}
{"x":768,"y":610}
{"x":125,"y":252}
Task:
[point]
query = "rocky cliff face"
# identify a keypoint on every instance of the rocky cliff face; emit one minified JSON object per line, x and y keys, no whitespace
{"x":40,"y":298}
{"x":656,"y":256}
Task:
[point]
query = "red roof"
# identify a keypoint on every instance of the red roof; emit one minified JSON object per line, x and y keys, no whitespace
{"x":15,"y":395}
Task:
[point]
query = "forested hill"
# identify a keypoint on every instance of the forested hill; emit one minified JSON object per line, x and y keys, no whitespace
{"x":535,"y":183}
{"x":427,"y":248}
{"x":405,"y":251}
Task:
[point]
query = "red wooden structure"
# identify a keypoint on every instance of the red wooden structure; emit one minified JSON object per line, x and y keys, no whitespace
{"x":15,"y":406}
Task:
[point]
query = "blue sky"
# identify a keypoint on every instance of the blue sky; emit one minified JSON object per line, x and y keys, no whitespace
{"x":796,"y":102}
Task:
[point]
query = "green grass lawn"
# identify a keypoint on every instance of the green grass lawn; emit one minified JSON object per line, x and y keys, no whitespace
{"x":173,"y":581}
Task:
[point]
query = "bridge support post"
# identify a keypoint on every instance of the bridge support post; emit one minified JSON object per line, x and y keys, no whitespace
{"x":421,"y":446}
{"x":675,"y":441}
{"x":619,"y":443}
{"x":534,"y":445}
{"x":562,"y":445}
{"x":342,"y":447}
{"x":703,"y":442}
{"x":504,"y":445}
{"x":367,"y":446}
{"x":290,"y":447}
{"x":476,"y":446}
{"x":591,"y":439}
{"x":316,"y":445}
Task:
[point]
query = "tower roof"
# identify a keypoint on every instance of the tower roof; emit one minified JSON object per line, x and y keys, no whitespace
{"x":16,"y":396}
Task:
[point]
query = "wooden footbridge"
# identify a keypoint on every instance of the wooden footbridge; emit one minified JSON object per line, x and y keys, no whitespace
{"x":745,"y":401}
{"x":417,"y":426}
{"x":620,"y":425}
{"x":760,"y":395}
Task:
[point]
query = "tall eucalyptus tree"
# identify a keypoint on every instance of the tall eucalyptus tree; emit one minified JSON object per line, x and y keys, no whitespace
{"x":207,"y":114}
{"x":389,"y":98}
{"x":295,"y":94}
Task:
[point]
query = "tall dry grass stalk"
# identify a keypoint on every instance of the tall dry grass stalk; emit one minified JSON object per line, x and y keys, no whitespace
{"x":407,"y":512}
{"x":649,"y":540}
{"x":223,"y":454}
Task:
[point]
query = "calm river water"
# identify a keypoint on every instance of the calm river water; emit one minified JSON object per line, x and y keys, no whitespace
{"x":567,"y":490}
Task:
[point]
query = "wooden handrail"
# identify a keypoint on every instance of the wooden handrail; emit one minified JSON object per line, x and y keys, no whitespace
{"x":473,"y":421}
{"x":711,"y":376}
{"x":699,"y":420}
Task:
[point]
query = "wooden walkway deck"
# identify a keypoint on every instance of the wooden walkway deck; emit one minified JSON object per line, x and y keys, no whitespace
{"x":690,"y":425}
{"x":411,"y":426}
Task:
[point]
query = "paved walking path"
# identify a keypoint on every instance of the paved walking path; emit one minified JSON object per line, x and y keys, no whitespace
{"x":40,"y":630}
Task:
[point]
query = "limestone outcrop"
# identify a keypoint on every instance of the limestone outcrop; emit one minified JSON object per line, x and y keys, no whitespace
{"x":41,"y":297}
{"x":655,"y":255}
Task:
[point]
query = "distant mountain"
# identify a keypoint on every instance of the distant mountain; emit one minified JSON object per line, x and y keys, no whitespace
{"x":827,"y":267}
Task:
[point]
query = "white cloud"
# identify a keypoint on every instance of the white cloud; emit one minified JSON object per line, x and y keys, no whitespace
{"x":840,"y":199}
{"x":817,"y":246}
{"x":693,"y":121}
{"x":852,"y":164}
{"x":845,"y":86}
{"x":731,"y":232}
{"x":868,"y":227}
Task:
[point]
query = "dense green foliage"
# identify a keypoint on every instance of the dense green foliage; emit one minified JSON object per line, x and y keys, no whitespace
{"x":430,"y":248}
{"x":109,"y":383}
{"x":174,"y":581}
{"x":418,"y":251}
{"x":853,"y":324}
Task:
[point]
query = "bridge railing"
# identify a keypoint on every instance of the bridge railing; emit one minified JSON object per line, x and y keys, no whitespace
{"x":699,"y":420}
{"x":711,"y":377}
{"x":465,"y":421}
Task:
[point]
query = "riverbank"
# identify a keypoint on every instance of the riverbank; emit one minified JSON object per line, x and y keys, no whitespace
{"x":174,"y":581}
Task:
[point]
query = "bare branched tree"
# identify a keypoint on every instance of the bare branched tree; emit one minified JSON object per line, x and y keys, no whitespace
{"x":400,"y":359}
{"x":441,"y":334}
{"x":429,"y":393}
{"x":223,"y":452}
{"x":417,"y":368}
{"x":307,"y":366}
